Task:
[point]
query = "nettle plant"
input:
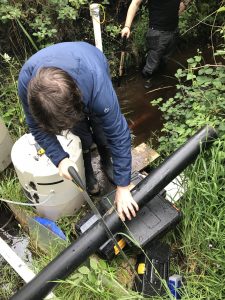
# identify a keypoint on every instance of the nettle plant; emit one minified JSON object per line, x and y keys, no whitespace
{"x":200,"y":100}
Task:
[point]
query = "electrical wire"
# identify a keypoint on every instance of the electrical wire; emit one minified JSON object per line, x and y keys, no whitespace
{"x":29,"y":204}
{"x":103,"y":10}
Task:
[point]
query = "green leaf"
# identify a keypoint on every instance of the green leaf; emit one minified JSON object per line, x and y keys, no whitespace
{"x":179,"y":73}
{"x":190,"y":61}
{"x":201,"y":71}
{"x":94,"y":263}
{"x":198,"y":58}
{"x":221,"y":9}
{"x":76,"y":282}
{"x":202,"y":79}
{"x":217,"y":83}
{"x":84,"y":270}
{"x":209,"y":71}
{"x":222,"y":126}
{"x":92,"y":278}
{"x":190,"y":76}
{"x":102,"y":264}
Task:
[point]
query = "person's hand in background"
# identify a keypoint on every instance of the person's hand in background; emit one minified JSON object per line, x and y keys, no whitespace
{"x":125,"y":32}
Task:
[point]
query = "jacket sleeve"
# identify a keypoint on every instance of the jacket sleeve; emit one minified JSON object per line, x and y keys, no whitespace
{"x":105,"y":105}
{"x":48,"y":142}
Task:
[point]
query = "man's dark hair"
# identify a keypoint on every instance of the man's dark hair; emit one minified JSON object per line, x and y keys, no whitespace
{"x":54,"y":100}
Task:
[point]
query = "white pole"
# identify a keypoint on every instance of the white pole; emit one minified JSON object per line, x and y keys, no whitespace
{"x":94,"y":11}
{"x":18,"y":264}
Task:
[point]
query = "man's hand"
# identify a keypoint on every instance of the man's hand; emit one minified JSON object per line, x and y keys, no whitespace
{"x":133,"y":8}
{"x":126,"y":206}
{"x":182,"y":7}
{"x":63,"y":167}
{"x":125,"y":32}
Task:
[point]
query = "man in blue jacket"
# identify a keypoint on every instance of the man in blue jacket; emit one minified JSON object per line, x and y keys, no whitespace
{"x":68,"y":86}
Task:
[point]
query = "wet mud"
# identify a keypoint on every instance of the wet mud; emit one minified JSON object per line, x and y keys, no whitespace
{"x":11,"y":232}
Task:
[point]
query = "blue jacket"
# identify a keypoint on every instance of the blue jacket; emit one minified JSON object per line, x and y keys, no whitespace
{"x":89,"y":68}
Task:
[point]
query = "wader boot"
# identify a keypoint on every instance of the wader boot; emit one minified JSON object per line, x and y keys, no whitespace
{"x":91,"y":182}
{"x":106,"y":162}
{"x":148,"y":79}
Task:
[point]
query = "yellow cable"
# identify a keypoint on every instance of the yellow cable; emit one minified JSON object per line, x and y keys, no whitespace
{"x":103,"y":9}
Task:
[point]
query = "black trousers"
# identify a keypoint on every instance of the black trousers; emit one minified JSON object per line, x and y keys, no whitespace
{"x":90,"y":130}
{"x":161,"y":45}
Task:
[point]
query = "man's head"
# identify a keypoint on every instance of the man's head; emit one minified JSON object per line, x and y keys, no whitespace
{"x":54,"y":100}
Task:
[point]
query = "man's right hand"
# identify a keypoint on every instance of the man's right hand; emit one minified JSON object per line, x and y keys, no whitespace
{"x":125,"y":32}
{"x":126,"y":205}
{"x":63,"y":167}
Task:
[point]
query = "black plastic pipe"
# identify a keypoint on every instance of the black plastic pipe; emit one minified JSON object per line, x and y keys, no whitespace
{"x":74,"y":255}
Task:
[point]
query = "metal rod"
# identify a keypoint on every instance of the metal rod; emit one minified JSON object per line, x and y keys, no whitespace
{"x":73,"y":256}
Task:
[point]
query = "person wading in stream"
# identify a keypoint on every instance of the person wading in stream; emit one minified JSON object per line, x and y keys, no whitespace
{"x":68,"y":86}
{"x":162,"y":34}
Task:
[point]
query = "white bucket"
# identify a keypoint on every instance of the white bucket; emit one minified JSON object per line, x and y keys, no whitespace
{"x":40,"y":178}
{"x":5,"y":146}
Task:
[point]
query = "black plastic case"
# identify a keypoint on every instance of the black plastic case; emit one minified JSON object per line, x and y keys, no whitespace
{"x":152,"y":266}
{"x":151,"y":222}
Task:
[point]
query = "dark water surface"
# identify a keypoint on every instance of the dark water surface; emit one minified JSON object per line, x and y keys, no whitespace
{"x":144,"y":119}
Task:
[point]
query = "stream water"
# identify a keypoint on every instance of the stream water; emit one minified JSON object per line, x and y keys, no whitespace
{"x":143,"y":118}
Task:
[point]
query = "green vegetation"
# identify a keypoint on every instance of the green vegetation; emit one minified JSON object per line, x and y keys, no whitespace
{"x":198,"y":244}
{"x":202,"y":235}
{"x":10,"y":282}
{"x":27,"y":26}
{"x":10,"y":107}
{"x":199,"y":100}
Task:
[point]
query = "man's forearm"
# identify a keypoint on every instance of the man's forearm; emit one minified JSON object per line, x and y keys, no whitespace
{"x":133,"y":8}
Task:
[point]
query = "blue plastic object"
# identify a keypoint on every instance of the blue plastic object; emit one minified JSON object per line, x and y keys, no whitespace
{"x":175,"y":283}
{"x":51,"y":226}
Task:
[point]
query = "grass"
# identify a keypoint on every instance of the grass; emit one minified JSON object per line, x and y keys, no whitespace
{"x":201,"y":235}
{"x":199,"y":240}
{"x":9,"y":185}
{"x":9,"y":283}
